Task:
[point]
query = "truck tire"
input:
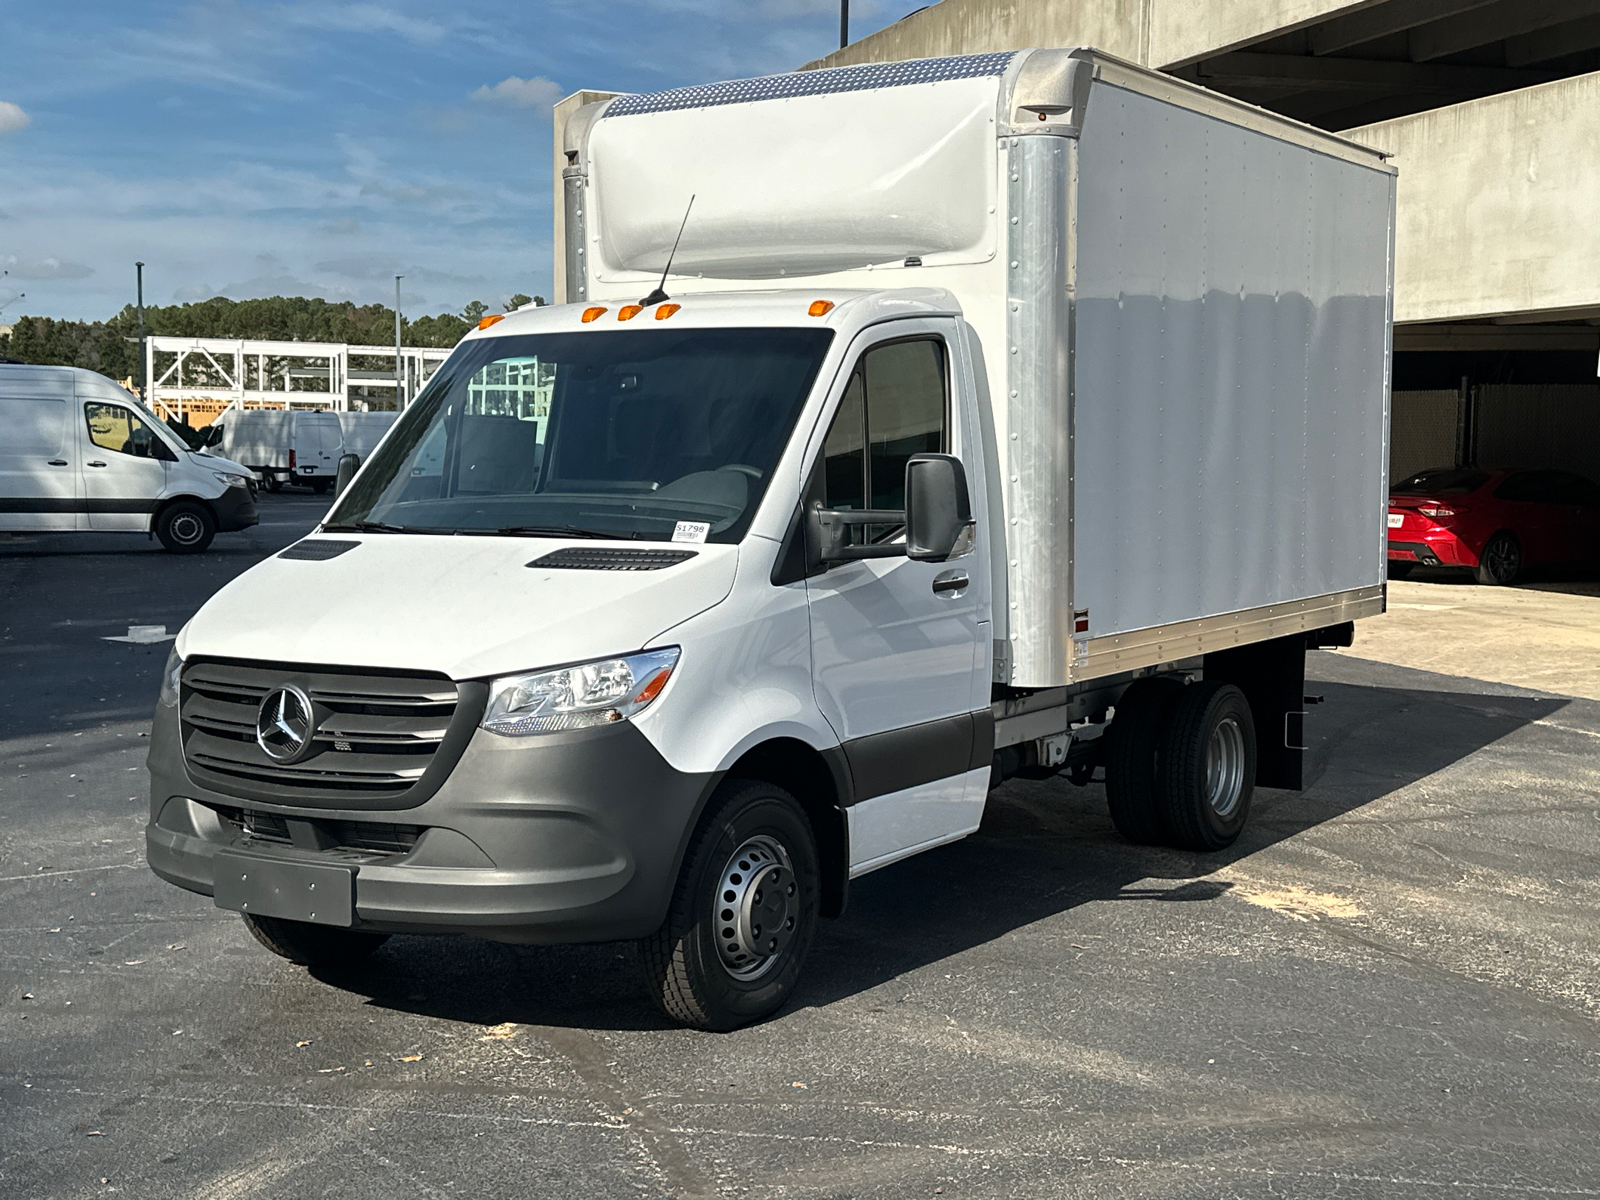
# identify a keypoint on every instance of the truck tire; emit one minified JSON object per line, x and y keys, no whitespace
{"x":1500,"y":561}
{"x":1208,"y":766}
{"x":742,"y":914}
{"x":274,"y":484}
{"x":1132,"y":786}
{"x":186,"y":526}
{"x":312,"y":945}
{"x":320,"y":486}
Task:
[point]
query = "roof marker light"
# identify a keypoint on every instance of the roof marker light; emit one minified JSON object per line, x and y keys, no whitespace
{"x":593,"y":314}
{"x":820,"y":308}
{"x":490,"y":320}
{"x":629,"y":311}
{"x":666,"y":310}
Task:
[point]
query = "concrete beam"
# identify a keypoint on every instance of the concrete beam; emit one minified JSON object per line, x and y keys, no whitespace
{"x":1499,"y":203}
{"x":1492,"y":23}
{"x":1381,"y":20}
{"x":1554,"y":42}
{"x":1159,"y":33}
{"x":1460,"y":338}
{"x":1362,"y":75}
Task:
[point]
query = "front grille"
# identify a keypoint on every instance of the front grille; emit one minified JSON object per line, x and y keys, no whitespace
{"x":376,"y":735}
{"x":356,"y":837}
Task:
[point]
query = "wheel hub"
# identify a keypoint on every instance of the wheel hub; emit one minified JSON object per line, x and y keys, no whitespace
{"x":1225,"y":767}
{"x":757,"y":907}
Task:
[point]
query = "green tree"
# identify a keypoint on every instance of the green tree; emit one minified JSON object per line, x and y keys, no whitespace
{"x":517,"y":302}
{"x":473,"y":313}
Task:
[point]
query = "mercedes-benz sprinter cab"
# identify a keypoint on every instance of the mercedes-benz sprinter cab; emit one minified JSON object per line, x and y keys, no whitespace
{"x":79,"y":453}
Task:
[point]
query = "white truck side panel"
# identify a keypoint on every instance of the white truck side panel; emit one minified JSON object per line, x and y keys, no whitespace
{"x":1230,"y":367}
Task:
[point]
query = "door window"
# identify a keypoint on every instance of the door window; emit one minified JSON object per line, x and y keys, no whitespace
{"x":114,"y":428}
{"x":894,"y":407}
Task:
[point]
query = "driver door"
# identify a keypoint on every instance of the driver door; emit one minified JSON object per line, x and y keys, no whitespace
{"x":899,"y":647}
{"x":124,"y":467}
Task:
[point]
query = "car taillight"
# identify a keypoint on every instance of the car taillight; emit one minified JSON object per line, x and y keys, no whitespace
{"x":291,"y":461}
{"x":1437,"y":512}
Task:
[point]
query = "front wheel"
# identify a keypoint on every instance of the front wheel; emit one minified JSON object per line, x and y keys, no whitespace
{"x":312,"y":945}
{"x":186,"y":527}
{"x":1208,"y":766}
{"x":743,"y":912}
{"x":1500,"y":561}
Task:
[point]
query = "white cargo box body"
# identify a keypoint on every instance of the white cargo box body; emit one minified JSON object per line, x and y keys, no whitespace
{"x":1182,"y":303}
{"x":260,"y":440}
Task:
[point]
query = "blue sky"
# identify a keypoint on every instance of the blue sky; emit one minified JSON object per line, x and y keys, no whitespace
{"x":318,"y":148}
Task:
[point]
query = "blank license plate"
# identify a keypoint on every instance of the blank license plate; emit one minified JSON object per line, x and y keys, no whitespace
{"x":1396,"y":520}
{"x":321,"y":893}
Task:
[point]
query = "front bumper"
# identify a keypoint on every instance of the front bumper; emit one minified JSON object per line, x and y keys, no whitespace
{"x":560,"y":838}
{"x":235,"y":509}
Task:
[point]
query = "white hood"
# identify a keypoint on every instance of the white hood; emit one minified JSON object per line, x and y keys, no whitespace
{"x":466,"y":606}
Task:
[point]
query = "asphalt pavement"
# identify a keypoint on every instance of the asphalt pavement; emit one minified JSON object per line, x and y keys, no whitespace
{"x":1390,"y":987}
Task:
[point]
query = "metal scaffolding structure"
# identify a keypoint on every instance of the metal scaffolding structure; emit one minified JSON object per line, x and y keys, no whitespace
{"x":198,"y":379}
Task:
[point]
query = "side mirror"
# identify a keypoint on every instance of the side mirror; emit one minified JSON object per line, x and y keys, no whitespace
{"x":349,"y":464}
{"x":938,"y":509}
{"x":159,"y":449}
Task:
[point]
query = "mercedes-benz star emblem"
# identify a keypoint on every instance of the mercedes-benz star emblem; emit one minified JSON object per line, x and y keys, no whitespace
{"x":285,"y":724}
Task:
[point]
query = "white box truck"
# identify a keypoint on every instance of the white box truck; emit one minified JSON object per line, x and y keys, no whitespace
{"x":1012,"y":413}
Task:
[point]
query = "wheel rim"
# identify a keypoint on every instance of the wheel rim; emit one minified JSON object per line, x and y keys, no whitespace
{"x":185,"y":528}
{"x":757,"y":908}
{"x":1502,"y":560}
{"x":1225,"y":767}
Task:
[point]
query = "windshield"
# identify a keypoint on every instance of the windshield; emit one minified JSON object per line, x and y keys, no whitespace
{"x":652,"y":434}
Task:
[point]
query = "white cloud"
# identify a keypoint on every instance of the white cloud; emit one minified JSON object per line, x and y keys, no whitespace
{"x":537,"y":92}
{"x":12,"y":118}
{"x":46,"y":268}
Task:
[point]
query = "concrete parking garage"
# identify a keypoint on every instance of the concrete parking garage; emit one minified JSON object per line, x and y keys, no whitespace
{"x":1389,"y":988}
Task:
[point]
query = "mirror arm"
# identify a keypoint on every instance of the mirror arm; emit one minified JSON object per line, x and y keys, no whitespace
{"x":825,"y":528}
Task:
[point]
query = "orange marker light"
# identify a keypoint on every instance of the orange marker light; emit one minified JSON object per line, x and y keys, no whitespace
{"x":820,"y":308}
{"x":593,"y":314}
{"x":666,"y":310}
{"x":629,"y":311}
{"x":653,"y":689}
{"x":488,"y":321}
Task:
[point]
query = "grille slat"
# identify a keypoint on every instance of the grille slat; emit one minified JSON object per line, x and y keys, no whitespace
{"x":376,"y":734}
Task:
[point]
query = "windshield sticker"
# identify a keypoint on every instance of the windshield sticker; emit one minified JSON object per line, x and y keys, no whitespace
{"x":691,"y":531}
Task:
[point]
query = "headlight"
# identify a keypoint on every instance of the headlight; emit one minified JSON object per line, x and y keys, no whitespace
{"x":593,"y":693}
{"x":229,"y":480}
{"x":169,"y":678}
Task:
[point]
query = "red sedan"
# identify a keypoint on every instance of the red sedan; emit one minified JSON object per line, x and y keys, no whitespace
{"x":1494,"y":522}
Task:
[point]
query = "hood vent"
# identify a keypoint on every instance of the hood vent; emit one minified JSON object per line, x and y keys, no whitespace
{"x":586,"y":558}
{"x":317,"y":549}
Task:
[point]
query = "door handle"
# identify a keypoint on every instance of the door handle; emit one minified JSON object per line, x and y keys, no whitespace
{"x":57,"y":462}
{"x":96,"y":463}
{"x":950,"y":581}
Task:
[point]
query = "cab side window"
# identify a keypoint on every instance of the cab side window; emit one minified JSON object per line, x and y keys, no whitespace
{"x":894,"y":407}
{"x":114,"y":428}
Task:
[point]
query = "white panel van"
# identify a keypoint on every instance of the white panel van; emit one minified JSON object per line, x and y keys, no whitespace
{"x":79,"y":453}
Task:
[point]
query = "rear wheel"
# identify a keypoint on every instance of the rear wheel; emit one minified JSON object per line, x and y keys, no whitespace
{"x":743,"y":912}
{"x":312,"y":945}
{"x":1207,"y":766}
{"x":320,"y":486}
{"x":274,"y":484}
{"x":186,"y":527}
{"x":1132,"y":787}
{"x":1500,"y":561}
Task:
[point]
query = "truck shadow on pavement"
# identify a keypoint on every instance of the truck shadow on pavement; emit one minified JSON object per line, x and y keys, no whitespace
{"x":1045,"y":848}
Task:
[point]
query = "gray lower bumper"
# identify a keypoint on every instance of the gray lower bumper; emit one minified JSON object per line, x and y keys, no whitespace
{"x":569,"y":837}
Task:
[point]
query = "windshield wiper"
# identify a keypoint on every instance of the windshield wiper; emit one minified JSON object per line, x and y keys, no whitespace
{"x":370,"y":527}
{"x":572,"y":531}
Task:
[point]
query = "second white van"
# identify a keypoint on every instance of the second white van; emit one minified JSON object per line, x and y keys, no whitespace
{"x":79,"y":453}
